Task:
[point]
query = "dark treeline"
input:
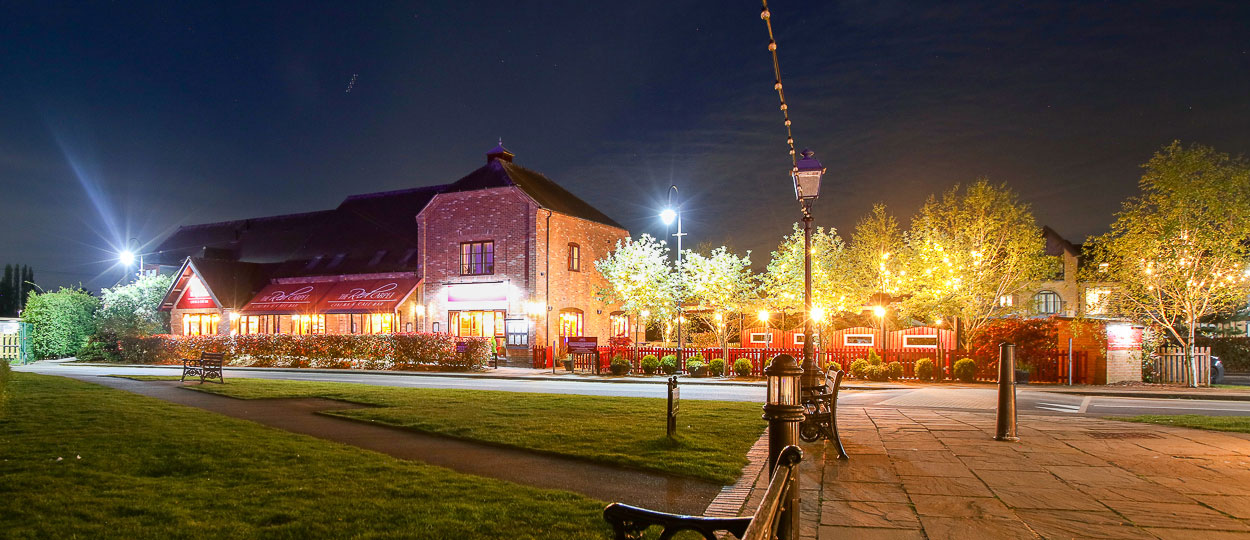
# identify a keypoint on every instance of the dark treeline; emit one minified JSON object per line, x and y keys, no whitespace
{"x":16,"y":285}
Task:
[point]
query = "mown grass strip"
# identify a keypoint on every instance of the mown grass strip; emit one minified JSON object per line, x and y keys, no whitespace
{"x":1239,"y":424}
{"x":712,"y":442}
{"x":85,"y":461}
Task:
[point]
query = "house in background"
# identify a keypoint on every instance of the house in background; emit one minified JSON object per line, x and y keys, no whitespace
{"x":503,"y":253}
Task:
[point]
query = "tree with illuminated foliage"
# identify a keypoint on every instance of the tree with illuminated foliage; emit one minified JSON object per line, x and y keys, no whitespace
{"x":720,"y":284}
{"x":640,"y":279}
{"x":782,"y":282}
{"x":876,"y":256}
{"x":1178,"y":252}
{"x":967,"y":250}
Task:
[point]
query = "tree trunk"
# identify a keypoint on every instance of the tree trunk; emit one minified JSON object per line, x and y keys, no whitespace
{"x":1191,"y":358}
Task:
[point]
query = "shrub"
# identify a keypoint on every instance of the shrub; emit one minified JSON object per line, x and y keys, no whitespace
{"x":873,"y":359}
{"x":5,"y":375}
{"x":966,"y":370}
{"x":833,"y":365}
{"x":894,"y":370}
{"x":668,"y":364}
{"x":742,"y":367}
{"x":61,"y":322}
{"x":716,"y":367}
{"x":650,"y":363}
{"x":99,"y":349}
{"x":695,"y":364}
{"x":858,"y":368}
{"x":924,"y":369}
{"x":619,"y":365}
{"x":877,"y":373}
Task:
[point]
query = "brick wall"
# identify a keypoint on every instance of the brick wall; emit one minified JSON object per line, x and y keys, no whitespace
{"x":571,"y":289}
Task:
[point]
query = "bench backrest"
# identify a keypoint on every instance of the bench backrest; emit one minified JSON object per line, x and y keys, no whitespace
{"x":211,"y":359}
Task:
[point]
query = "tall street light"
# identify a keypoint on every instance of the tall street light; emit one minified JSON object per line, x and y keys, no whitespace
{"x":673,"y":212}
{"x":806,"y":174}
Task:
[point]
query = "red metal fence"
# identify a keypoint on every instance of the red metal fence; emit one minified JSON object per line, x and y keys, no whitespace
{"x":1052,"y":368}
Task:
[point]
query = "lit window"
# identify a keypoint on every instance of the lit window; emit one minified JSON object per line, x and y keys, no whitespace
{"x":858,"y":340}
{"x":1047,"y":303}
{"x":1096,"y":300}
{"x":1006,"y":300}
{"x":575,"y":258}
{"x":620,"y":324}
{"x":200,"y":324}
{"x":571,"y":322}
{"x":477,"y":258}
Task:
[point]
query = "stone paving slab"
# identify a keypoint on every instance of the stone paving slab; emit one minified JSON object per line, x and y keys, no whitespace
{"x":939,"y":474}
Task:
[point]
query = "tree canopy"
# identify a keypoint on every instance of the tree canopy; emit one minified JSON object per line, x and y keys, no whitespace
{"x":1178,"y":251}
{"x":134,"y":309}
{"x":61,"y":321}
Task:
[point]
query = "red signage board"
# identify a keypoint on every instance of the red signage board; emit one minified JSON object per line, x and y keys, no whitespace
{"x":196,"y":296}
{"x":282,"y":298}
{"x":366,"y":296}
{"x":583,"y":344}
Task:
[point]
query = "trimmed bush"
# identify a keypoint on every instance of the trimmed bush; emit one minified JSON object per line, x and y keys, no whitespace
{"x":742,"y":367}
{"x":668,"y":364}
{"x":966,"y":370}
{"x":99,"y":349}
{"x":924,"y":369}
{"x":619,"y":365}
{"x":877,"y":373}
{"x":858,"y":368}
{"x":5,"y":375}
{"x":650,"y":363}
{"x":695,"y":365}
{"x":716,"y":367}
{"x":873,"y":358}
{"x":894,"y":370}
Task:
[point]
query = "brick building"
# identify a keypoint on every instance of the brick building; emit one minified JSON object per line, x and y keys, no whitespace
{"x":503,"y":252}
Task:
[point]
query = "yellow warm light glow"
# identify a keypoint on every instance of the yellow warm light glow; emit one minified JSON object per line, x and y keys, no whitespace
{"x":818,"y":313}
{"x":645,"y":313}
{"x":938,"y":321}
{"x":763,"y":315}
{"x":878,"y":311}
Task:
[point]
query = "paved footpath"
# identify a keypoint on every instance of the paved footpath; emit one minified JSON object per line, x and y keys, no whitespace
{"x":939,"y":474}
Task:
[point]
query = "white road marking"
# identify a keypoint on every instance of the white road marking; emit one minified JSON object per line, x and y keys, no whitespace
{"x":1059,"y":407}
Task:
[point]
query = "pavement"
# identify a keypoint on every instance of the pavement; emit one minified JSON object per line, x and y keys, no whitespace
{"x":938,"y":474}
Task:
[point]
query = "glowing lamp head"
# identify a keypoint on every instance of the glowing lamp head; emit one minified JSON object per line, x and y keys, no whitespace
{"x":878,"y":311}
{"x":126,"y":257}
{"x":818,"y":313}
{"x":668,"y":216}
{"x":763,"y":315}
{"x":807,"y":173}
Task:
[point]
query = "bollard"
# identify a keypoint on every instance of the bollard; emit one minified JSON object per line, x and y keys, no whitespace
{"x":1006,"y":394}
{"x":784,"y":412}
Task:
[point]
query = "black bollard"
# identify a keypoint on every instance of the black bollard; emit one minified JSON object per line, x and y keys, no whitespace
{"x":784,"y":412}
{"x":1006,"y":394}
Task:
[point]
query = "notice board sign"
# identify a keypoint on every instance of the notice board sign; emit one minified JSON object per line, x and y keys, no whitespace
{"x":583,"y":345}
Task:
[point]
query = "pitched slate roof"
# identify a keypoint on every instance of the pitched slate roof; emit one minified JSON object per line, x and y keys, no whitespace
{"x":500,"y":172}
{"x":368,"y":233}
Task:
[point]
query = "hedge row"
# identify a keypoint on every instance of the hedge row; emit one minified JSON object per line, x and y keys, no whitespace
{"x":1233,"y":351}
{"x":412,"y":351}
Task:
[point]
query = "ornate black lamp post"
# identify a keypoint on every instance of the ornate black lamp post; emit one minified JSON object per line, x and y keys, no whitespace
{"x":807,"y":173}
{"x":784,"y":413}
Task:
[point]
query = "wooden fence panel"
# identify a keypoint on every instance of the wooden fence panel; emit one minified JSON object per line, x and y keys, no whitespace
{"x":1170,"y":366}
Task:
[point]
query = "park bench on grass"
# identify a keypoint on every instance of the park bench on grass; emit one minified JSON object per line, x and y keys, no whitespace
{"x":630,"y":522}
{"x":208,"y":366}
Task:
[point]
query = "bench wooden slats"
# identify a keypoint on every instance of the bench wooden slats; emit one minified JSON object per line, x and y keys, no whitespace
{"x":207,"y":366}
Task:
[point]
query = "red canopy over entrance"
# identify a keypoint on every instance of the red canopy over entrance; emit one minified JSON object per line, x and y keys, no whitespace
{"x":367,"y":295}
{"x":287,"y":298}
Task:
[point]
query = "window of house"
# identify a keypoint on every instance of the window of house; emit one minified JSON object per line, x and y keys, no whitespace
{"x":575,"y":258}
{"x":308,"y":324}
{"x":1006,"y":300}
{"x":200,"y":324}
{"x":518,"y":332}
{"x":922,"y":342}
{"x":571,"y":322}
{"x":761,"y":337}
{"x":799,"y":339}
{"x":250,"y":324}
{"x":1047,"y":303}
{"x":620,"y":324}
{"x":476,"y":323}
{"x":858,"y":340}
{"x":477,"y":258}
{"x":1097,"y":300}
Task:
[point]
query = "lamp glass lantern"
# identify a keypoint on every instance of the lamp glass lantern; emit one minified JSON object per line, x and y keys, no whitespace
{"x":807,"y":173}
{"x":783,"y":380}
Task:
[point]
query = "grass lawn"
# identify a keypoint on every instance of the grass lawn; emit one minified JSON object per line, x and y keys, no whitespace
{"x":1240,"y":424}
{"x":713,"y":436}
{"x":78,"y":460}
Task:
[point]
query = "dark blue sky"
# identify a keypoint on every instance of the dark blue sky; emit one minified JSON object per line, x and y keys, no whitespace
{"x":122,"y":120}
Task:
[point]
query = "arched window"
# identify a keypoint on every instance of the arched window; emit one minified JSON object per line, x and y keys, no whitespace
{"x":1047,"y":303}
{"x":571,"y":322}
{"x":620,"y":324}
{"x":575,"y":258}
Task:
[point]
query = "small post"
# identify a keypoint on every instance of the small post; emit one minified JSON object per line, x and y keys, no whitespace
{"x":784,"y":413}
{"x":1069,"y":361}
{"x":1006,"y":394}
{"x":674,"y":403}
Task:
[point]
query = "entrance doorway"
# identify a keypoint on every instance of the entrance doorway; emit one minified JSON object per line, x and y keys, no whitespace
{"x":476,"y":323}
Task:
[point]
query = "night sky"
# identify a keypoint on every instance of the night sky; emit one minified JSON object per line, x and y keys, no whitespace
{"x":121,"y":120}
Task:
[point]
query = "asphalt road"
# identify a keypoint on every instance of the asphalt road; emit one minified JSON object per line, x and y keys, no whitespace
{"x":1027,"y":400}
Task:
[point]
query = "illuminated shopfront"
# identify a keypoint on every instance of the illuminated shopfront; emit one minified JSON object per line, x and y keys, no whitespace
{"x":476,"y":323}
{"x":198,"y":324}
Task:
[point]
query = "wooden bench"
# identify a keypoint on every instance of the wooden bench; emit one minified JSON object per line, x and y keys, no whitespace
{"x":630,"y":522}
{"x":208,"y":366}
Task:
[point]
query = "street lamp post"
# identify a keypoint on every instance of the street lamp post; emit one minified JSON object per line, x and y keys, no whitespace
{"x":669,"y":214}
{"x":807,"y":173}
